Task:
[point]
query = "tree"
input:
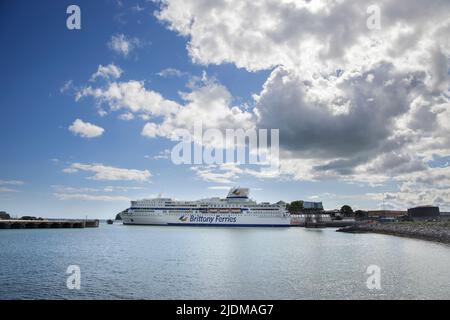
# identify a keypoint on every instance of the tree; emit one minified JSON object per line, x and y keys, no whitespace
{"x":346,"y":211}
{"x":295,"y":206}
{"x":361,"y":214}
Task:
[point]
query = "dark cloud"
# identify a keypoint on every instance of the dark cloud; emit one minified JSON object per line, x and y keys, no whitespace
{"x":310,"y":127}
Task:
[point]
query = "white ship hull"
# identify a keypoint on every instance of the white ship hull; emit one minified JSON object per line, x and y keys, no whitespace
{"x":194,"y":219}
{"x":237,"y":210}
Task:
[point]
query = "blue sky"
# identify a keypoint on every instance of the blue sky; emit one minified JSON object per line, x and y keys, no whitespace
{"x":44,"y":65}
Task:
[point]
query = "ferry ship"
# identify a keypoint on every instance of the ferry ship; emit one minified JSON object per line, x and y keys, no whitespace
{"x":236,"y":210}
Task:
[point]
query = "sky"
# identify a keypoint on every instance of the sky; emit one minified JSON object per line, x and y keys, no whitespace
{"x":359,"y":91}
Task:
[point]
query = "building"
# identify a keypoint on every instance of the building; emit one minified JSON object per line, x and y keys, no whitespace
{"x":445,"y":216}
{"x":281,"y":203}
{"x":4,"y":216}
{"x":386,"y":213}
{"x":333,"y":213}
{"x":424,"y":212}
{"x":308,"y":205}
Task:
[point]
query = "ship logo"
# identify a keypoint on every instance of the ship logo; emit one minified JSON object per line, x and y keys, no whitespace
{"x":236,"y":192}
{"x":183,"y":218}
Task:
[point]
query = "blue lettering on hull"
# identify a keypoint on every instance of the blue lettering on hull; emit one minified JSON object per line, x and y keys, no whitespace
{"x":227,"y":225}
{"x":217,"y":221}
{"x":209,"y":219}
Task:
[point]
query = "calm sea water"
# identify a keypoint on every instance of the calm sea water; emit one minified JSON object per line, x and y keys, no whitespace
{"x":127,"y":262}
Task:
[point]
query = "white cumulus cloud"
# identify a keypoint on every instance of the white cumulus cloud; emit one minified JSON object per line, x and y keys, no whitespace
{"x":102,"y":172}
{"x":131,"y":96}
{"x":89,"y":197}
{"x":342,"y":95}
{"x":111,"y":71}
{"x":122,"y":44}
{"x":352,"y":104}
{"x":85,"y":129}
{"x":5,"y":185}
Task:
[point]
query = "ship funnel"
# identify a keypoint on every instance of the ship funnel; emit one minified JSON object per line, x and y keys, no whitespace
{"x":238,"y":193}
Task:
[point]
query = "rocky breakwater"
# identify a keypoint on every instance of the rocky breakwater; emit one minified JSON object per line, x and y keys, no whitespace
{"x":432,"y":231}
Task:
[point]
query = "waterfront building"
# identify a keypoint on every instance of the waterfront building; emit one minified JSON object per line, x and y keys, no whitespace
{"x":374,"y":214}
{"x":4,"y":215}
{"x":309,"y":205}
{"x":424,"y":213}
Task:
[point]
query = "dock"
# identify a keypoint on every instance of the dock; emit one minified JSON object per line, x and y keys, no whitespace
{"x":48,"y":224}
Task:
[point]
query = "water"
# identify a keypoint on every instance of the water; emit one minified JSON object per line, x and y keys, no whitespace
{"x":126,"y":262}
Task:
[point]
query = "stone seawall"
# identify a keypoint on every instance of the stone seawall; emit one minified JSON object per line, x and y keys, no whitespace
{"x":432,"y":231}
{"x":51,"y":224}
